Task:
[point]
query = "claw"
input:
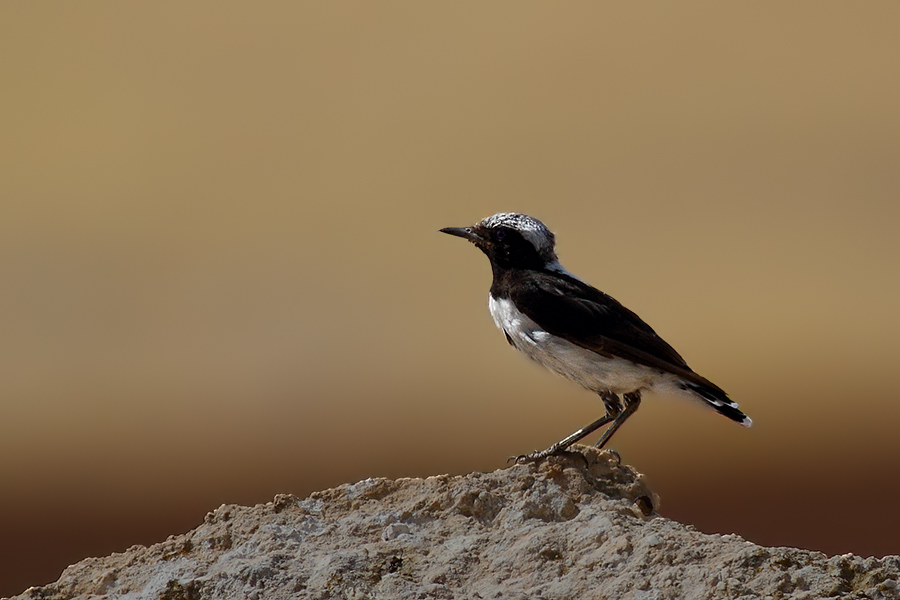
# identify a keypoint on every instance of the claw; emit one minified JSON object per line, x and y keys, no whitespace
{"x":617,"y":455}
{"x":524,"y":458}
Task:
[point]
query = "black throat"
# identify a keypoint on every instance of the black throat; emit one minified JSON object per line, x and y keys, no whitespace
{"x":507,"y":279}
{"x":511,"y":257}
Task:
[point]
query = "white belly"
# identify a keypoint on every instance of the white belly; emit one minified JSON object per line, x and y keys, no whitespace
{"x":589,"y":369}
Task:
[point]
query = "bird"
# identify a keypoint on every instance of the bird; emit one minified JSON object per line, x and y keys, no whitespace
{"x":576,"y":331}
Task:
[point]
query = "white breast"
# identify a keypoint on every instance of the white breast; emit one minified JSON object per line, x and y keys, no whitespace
{"x":589,"y":369}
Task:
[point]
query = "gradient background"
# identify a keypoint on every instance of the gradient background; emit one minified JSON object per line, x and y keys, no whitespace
{"x":222,"y":277}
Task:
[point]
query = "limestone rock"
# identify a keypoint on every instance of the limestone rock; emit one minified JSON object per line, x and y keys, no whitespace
{"x":574,"y":526}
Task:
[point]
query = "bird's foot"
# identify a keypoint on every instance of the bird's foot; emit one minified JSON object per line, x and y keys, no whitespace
{"x":554,"y":450}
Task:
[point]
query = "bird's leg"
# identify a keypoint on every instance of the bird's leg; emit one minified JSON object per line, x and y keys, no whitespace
{"x":632,"y":402}
{"x":567,"y":441}
{"x":613,"y":408}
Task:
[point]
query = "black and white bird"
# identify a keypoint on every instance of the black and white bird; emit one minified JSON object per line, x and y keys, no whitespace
{"x":577,"y":331}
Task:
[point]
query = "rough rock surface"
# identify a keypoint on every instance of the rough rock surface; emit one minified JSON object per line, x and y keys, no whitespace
{"x":575,"y":526}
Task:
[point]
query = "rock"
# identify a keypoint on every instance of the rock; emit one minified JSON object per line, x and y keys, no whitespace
{"x":574,"y":526}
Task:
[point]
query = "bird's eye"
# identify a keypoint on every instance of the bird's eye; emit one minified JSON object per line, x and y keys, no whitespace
{"x":500,"y":235}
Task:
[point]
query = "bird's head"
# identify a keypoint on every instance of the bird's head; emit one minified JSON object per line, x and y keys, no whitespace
{"x":511,"y":241}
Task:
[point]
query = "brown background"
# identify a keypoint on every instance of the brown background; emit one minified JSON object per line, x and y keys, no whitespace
{"x":222,"y":277}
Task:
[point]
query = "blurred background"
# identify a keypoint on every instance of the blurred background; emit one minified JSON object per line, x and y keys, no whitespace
{"x":222,"y":277}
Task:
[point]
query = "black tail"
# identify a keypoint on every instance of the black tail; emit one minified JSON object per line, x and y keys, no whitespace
{"x":717,"y":399}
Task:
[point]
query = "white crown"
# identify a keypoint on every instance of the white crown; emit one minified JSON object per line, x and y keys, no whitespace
{"x":531,"y":229}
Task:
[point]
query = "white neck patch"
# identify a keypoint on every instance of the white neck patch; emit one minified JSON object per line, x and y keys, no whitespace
{"x":558,"y":268}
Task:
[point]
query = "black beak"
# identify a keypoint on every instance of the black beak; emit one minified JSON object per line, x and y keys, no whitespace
{"x":463,"y":232}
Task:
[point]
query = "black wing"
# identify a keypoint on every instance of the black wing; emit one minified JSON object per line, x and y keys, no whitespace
{"x":585,"y":316}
